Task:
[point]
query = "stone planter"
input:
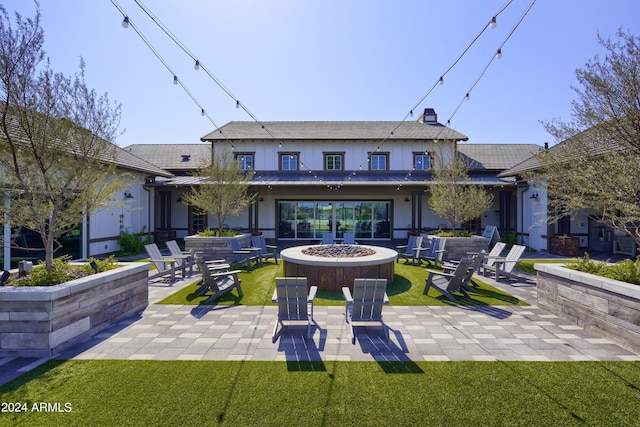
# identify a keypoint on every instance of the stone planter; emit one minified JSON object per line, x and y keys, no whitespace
{"x":607,"y":307}
{"x":40,"y":321}
{"x":216,"y":247}
{"x":457,"y":247}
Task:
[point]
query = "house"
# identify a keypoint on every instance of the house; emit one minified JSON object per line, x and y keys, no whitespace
{"x":313,"y":178}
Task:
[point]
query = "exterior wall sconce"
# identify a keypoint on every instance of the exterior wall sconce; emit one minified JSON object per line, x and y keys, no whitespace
{"x":128,"y":195}
{"x":534,"y":196}
{"x":406,"y":199}
{"x":261,"y":199}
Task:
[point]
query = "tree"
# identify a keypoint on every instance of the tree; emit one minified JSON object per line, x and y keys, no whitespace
{"x":56,"y":158}
{"x":595,"y":166}
{"x":223,"y":188}
{"x":453,"y":196}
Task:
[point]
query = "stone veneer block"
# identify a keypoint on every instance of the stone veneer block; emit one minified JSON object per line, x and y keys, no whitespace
{"x":607,"y":307}
{"x":40,"y":321}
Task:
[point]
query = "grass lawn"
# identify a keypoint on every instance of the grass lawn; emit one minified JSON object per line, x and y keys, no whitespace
{"x":188,"y":393}
{"x":405,"y":290}
{"x":526,"y":265}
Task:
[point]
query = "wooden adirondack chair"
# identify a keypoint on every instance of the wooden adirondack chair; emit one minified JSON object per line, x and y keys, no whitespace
{"x":349,"y":238}
{"x":184,"y":259}
{"x":218,"y":283}
{"x":327,"y":239}
{"x":490,"y":258}
{"x":504,"y":266}
{"x":365,"y":306}
{"x":447,"y":283}
{"x":435,"y":252}
{"x":266,"y":251}
{"x":411,"y":250}
{"x":245,"y":255}
{"x":164,"y":265}
{"x":295,"y":303}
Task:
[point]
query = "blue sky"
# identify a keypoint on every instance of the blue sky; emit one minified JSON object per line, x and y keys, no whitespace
{"x":333,"y":60}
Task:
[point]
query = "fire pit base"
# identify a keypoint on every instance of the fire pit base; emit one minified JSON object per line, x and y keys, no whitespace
{"x":333,"y":273}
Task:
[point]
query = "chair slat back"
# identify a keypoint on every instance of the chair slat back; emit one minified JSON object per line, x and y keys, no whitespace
{"x":292,"y":294}
{"x":368,"y":299}
{"x":512,"y":257}
{"x":156,"y":256}
{"x":462,"y":274}
{"x":327,"y":239}
{"x":495,"y":252}
{"x":206,"y":274}
{"x":349,"y":238}
{"x":259,"y":242}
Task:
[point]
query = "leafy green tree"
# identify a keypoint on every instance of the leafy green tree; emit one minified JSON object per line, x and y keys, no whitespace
{"x":453,"y":196}
{"x":56,"y":160}
{"x":594,"y":168}
{"x":223,"y":188}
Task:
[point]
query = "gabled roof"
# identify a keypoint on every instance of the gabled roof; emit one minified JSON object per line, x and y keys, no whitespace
{"x":173,"y":157}
{"x":122,"y":158}
{"x":132,"y":162}
{"x":496,"y":157}
{"x":332,"y":130}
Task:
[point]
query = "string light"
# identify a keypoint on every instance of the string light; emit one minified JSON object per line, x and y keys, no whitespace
{"x":125,"y":22}
{"x":197,"y":65}
{"x":499,"y":54}
{"x":175,"y":80}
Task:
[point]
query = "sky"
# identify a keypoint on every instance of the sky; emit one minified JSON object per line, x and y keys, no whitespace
{"x":332,"y":60}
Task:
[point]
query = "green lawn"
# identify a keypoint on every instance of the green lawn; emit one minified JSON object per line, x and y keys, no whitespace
{"x":405,"y":290}
{"x":188,"y":393}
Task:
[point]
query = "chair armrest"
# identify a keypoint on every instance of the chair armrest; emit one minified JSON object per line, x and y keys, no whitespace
{"x":386,"y":299}
{"x":274,"y":297}
{"x":312,"y":293}
{"x":244,"y":252}
{"x":226,"y":273}
{"x":346,"y":293}
{"x":439,"y":273}
{"x":271,"y":247}
{"x":168,"y":259}
{"x":402,"y":247}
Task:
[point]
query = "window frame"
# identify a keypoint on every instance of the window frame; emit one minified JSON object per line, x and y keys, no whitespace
{"x":333,"y":153}
{"x":290,"y":153}
{"x":381,"y":154}
{"x":245,"y":154}
{"x":415,"y":160}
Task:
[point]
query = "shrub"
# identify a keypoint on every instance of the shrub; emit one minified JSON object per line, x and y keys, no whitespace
{"x":131,"y":244}
{"x":217,"y":233}
{"x":624,"y":271}
{"x":62,"y":272}
{"x":441,"y":233}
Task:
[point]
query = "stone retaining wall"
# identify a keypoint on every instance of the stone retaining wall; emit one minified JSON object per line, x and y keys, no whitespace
{"x":606,"y":307}
{"x":215,"y":247}
{"x":40,"y":321}
{"x":457,"y":247}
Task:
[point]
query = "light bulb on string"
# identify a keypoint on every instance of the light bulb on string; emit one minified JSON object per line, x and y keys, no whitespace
{"x":125,"y":22}
{"x":202,"y":111}
{"x":196,"y":66}
{"x":493,"y":23}
{"x":175,"y":80}
{"x":499,"y":54}
{"x":466,"y":97}
{"x":237,"y":104}
{"x":441,"y":81}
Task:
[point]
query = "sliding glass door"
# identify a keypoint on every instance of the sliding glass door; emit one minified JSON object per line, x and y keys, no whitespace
{"x":313,"y":219}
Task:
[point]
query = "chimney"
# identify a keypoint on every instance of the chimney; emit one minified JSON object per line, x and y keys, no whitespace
{"x":429,"y":116}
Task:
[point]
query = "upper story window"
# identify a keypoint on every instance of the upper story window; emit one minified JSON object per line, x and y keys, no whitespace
{"x":245,"y":161}
{"x":289,"y":161}
{"x":333,"y":161}
{"x":421,"y":161}
{"x":379,"y":162}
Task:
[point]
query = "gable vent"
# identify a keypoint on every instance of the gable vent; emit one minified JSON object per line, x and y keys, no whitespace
{"x":186,"y":157}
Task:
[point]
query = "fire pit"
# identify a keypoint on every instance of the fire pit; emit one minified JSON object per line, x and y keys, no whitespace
{"x":330,"y":267}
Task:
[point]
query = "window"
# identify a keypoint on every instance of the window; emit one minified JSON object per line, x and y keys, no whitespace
{"x":378,"y":162}
{"x":245,"y":161}
{"x":422,"y":161}
{"x":333,"y":162}
{"x":289,"y":161}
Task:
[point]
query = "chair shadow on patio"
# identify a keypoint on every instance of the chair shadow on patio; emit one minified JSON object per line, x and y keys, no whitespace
{"x":391,"y":357}
{"x":302,"y":354}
